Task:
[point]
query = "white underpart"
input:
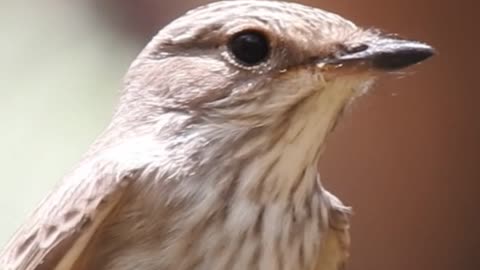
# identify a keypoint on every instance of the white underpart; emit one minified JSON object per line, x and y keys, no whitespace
{"x":298,"y":149}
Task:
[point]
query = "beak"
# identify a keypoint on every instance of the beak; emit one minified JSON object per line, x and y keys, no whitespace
{"x":385,"y":53}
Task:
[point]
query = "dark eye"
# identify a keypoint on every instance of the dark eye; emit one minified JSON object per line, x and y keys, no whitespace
{"x":249,"y":47}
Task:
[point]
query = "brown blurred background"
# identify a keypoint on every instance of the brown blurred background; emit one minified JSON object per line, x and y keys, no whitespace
{"x":405,"y":156}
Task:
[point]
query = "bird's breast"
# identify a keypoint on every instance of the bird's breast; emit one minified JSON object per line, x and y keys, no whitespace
{"x":218,"y":233}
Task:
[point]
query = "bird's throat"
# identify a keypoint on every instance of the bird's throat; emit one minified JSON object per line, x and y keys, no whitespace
{"x":287,"y":170}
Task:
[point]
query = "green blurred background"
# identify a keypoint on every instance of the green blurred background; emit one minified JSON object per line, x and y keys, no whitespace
{"x":60,"y":69}
{"x":405,"y":156}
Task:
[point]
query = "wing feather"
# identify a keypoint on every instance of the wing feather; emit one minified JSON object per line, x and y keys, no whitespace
{"x":336,"y":245}
{"x":59,"y":230}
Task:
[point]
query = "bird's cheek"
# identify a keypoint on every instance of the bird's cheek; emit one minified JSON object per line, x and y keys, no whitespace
{"x":298,"y":83}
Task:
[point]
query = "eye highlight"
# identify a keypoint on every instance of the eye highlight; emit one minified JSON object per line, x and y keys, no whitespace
{"x":249,"y":47}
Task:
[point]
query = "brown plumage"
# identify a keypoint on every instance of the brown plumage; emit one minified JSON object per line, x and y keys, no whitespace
{"x":210,"y":159}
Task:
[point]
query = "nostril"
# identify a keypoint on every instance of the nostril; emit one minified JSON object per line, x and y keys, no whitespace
{"x":348,"y":51}
{"x":356,"y":49}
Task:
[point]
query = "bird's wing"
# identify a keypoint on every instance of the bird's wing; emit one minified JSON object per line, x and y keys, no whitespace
{"x":336,"y":245}
{"x":60,"y":229}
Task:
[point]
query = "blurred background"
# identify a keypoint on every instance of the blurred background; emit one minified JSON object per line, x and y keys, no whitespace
{"x":405,"y":156}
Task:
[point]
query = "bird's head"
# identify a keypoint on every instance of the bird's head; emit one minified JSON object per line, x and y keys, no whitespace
{"x":262,"y":63}
{"x":256,"y":60}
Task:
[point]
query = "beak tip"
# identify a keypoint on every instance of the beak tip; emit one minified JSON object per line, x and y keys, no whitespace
{"x":405,"y":54}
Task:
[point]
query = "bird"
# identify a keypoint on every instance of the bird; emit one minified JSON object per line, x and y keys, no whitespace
{"x":210,"y":159}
